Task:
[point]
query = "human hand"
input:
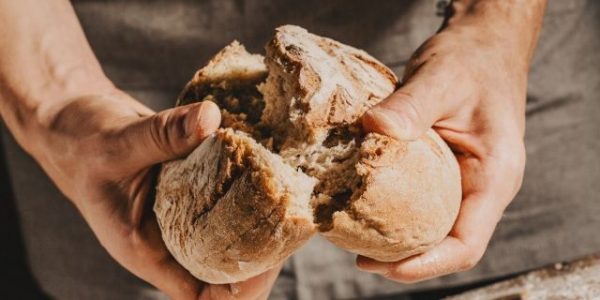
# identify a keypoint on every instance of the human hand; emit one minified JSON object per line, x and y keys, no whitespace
{"x":101,"y":151}
{"x":470,"y":86}
{"x":99,"y":145}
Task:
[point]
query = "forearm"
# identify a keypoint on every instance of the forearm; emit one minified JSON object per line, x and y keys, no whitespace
{"x":510,"y":26}
{"x":45,"y":61}
{"x":500,"y":37}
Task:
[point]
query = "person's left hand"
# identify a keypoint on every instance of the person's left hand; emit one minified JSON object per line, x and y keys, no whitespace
{"x":102,"y":151}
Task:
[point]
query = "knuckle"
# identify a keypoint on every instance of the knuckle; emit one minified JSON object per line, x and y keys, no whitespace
{"x":471,"y":258}
{"x":158,"y":133}
{"x":413,"y":110}
{"x":408,"y":107}
{"x":510,"y":161}
{"x":516,"y":161}
{"x":509,"y":156}
{"x":468,"y":263}
{"x":397,"y":273}
{"x":518,"y":165}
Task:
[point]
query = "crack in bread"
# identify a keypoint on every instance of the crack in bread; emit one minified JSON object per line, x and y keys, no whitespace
{"x":261,"y":192}
{"x":291,"y":158}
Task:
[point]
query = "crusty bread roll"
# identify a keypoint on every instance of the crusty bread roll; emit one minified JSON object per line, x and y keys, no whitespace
{"x":292,"y":159}
{"x":232,"y":209}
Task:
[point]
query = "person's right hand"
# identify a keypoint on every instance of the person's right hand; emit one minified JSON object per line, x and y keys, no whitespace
{"x":101,"y":150}
{"x":468,"y":82}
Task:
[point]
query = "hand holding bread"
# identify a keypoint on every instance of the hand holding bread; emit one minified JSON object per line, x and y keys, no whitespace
{"x":292,"y":160}
{"x":470,"y":86}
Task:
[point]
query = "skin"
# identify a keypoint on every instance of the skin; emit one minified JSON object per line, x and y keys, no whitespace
{"x":469,"y":83}
{"x":100,"y":146}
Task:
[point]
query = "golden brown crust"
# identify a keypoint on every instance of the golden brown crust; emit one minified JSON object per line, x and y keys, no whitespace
{"x":231,"y":67}
{"x":229,"y":80}
{"x":224,"y":210}
{"x":232,"y":209}
{"x":408,"y":201}
{"x":409,"y":192}
{"x":329,"y":84}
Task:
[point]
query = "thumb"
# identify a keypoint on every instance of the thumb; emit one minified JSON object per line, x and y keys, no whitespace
{"x":407,"y":113}
{"x":169,"y":134}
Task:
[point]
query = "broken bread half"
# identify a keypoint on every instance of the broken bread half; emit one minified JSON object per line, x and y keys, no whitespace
{"x":291,"y":159}
{"x":232,"y":209}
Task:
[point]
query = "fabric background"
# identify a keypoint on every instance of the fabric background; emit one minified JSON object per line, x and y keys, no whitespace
{"x":151,"y":48}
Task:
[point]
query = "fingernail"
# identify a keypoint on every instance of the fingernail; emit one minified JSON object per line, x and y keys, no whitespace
{"x":387,"y":123}
{"x":202,"y":120}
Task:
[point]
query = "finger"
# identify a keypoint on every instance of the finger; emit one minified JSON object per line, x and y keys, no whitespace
{"x":270,"y":281}
{"x":166,"y":135}
{"x":175,"y":281}
{"x":257,"y":287}
{"x":143,"y":250}
{"x":425,"y":98}
{"x":489,"y":186}
{"x":458,"y":252}
{"x":450,"y":256}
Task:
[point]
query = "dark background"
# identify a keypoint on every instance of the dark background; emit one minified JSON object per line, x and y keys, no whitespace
{"x":15,"y":278}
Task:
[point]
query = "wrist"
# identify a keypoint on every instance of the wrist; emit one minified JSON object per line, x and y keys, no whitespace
{"x":509,"y":27}
{"x":33,"y":106}
{"x":50,"y":98}
{"x":45,"y":60}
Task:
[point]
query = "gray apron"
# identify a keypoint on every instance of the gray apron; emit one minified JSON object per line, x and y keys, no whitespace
{"x":151,"y":48}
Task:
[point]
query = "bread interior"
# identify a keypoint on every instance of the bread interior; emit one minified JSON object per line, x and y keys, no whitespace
{"x":333,"y":162}
{"x":267,"y":110}
{"x":328,"y":154}
{"x":240,"y":102}
{"x":282,"y":181}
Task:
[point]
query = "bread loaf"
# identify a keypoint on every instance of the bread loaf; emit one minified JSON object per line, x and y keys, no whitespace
{"x":292,"y":159}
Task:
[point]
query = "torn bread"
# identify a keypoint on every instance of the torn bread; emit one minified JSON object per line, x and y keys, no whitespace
{"x":316,"y":84}
{"x":306,"y":164}
{"x":406,"y":203}
{"x":232,"y":209}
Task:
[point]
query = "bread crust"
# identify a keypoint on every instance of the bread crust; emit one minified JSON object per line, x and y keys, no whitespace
{"x":236,"y":207}
{"x":333,"y":84}
{"x":408,"y":193}
{"x":224,"y":210}
{"x":231,"y":67}
{"x":407,"y":203}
